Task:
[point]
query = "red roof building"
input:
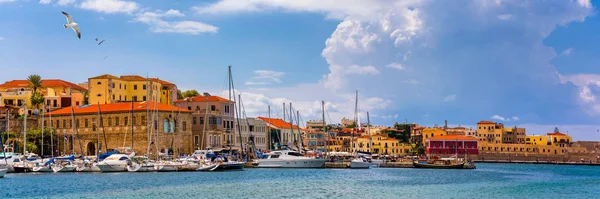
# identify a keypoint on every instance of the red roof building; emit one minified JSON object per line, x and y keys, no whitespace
{"x":452,"y":144}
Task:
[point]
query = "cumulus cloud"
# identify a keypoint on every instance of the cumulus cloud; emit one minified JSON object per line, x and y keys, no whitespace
{"x":396,"y":66}
{"x":567,"y":51}
{"x":504,"y":119}
{"x":107,"y":6}
{"x":448,"y":43}
{"x":64,"y":2}
{"x":45,"y":1}
{"x":7,"y":1}
{"x":497,"y":117}
{"x":158,"y":24}
{"x":263,"y":77}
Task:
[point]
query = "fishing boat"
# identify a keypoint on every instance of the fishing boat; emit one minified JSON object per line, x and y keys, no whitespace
{"x":443,"y":163}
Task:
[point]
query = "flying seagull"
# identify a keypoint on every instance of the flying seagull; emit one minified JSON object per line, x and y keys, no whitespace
{"x":71,"y":24}
{"x":100,"y":41}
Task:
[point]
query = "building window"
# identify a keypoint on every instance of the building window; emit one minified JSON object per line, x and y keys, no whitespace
{"x":134,"y":98}
{"x":189,"y":108}
{"x":144,"y":87}
{"x":219,"y":120}
{"x":125,"y":121}
{"x":183,"y":126}
{"x":125,"y":86}
{"x":58,"y":124}
{"x":194,"y":120}
{"x":143,"y":119}
{"x":201,"y":120}
{"x":77,"y":123}
{"x":196,"y":140}
{"x":212,"y":107}
{"x":99,"y":82}
{"x":94,"y":127}
{"x":109,"y":122}
{"x":86,"y":123}
{"x":165,"y":126}
{"x":120,"y":98}
{"x":117,"y":121}
{"x":144,"y":98}
{"x":135,"y":87}
{"x":113,"y":97}
{"x":125,"y":97}
{"x":226,"y":108}
{"x":120,"y":86}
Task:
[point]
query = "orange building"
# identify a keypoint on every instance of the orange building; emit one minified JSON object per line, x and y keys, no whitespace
{"x":57,"y":94}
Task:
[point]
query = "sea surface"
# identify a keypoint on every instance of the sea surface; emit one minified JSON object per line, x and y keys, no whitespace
{"x":487,"y":181}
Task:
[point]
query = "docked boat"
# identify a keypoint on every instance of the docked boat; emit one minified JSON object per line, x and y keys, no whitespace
{"x":206,"y":167}
{"x":87,"y":166}
{"x":289,"y":159}
{"x":444,"y":163}
{"x":167,"y":166}
{"x":228,"y":165}
{"x":46,"y":167}
{"x":3,"y":172}
{"x":64,"y":164}
{"x":359,"y":163}
{"x":141,"y":164}
{"x":114,"y":163}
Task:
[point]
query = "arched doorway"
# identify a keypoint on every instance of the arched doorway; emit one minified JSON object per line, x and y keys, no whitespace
{"x":91,"y":149}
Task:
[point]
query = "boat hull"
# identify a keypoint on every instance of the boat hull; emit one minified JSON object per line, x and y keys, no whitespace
{"x":360,"y":165}
{"x":88,"y":169}
{"x":3,"y":172}
{"x":41,"y":169}
{"x":112,"y":168}
{"x":64,"y":168}
{"x":206,"y":167}
{"x":229,"y":166}
{"x":21,"y":169}
{"x":437,"y":166}
{"x":267,"y":163}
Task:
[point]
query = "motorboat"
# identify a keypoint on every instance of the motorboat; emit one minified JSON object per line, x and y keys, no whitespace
{"x":141,"y":164}
{"x":206,"y":167}
{"x":289,"y":159}
{"x":87,"y":166}
{"x":3,"y":172}
{"x":359,"y":163}
{"x":167,"y":166}
{"x":46,"y":167}
{"x":64,"y":164}
{"x":115,"y":163}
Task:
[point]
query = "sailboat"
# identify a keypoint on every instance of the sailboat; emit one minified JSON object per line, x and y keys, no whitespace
{"x":358,"y":162}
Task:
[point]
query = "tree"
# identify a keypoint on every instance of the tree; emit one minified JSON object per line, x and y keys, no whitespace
{"x":179,"y":95}
{"x":86,"y":97}
{"x":35,"y":82}
{"x":402,"y":132}
{"x":190,"y":93}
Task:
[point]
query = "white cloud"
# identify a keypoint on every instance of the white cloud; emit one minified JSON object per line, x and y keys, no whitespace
{"x":586,"y":83}
{"x":567,"y":51}
{"x":159,"y":25}
{"x":497,"y":117}
{"x":450,"y":98}
{"x":7,"y":1}
{"x":515,"y":118}
{"x":263,"y":77}
{"x":505,"y":16}
{"x":354,"y":69}
{"x":396,"y":65}
{"x":65,"y":2}
{"x":45,"y":1}
{"x":109,"y":6}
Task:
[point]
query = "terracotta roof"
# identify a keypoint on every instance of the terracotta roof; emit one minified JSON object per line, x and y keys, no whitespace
{"x":391,"y":139}
{"x":117,"y":107}
{"x":419,"y":127}
{"x":452,"y":137}
{"x":163,"y":82}
{"x":105,"y":76}
{"x":485,"y":122}
{"x":556,"y":133}
{"x":277,"y":123}
{"x":204,"y":99}
{"x":45,"y":83}
{"x":132,"y":78}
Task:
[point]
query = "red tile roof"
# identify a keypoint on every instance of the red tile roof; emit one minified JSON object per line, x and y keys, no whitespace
{"x":277,"y":123}
{"x":556,"y":133}
{"x":105,"y":76}
{"x":45,"y":83}
{"x":132,"y":78}
{"x":391,"y":139}
{"x":452,"y":137}
{"x":485,"y":122}
{"x":204,"y":99}
{"x":163,"y":82}
{"x":117,"y":107}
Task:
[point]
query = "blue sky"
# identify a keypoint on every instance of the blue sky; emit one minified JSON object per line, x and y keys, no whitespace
{"x":525,"y":63}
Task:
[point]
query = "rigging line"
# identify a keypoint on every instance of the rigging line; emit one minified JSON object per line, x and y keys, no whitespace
{"x":328,"y":117}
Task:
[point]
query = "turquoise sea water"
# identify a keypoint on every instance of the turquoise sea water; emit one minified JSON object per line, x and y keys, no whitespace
{"x":487,"y":181}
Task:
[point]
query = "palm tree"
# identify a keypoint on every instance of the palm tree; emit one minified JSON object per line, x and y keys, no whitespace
{"x":35,"y":82}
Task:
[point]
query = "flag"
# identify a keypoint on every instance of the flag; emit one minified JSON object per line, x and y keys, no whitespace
{"x":66,"y":138}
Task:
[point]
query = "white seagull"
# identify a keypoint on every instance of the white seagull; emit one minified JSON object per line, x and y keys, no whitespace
{"x":71,"y":24}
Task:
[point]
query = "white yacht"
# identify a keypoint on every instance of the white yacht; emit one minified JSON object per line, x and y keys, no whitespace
{"x":359,"y":163}
{"x":114,"y":163}
{"x":64,"y":164}
{"x":2,"y":173}
{"x":289,"y":159}
{"x":87,"y":166}
{"x":141,"y":164}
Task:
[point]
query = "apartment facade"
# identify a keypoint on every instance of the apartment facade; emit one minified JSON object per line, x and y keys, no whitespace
{"x":57,"y":94}
{"x":254,"y":133}
{"x":107,"y":89}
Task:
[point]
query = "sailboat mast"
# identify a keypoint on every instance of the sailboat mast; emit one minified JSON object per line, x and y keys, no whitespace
{"x":282,"y":134}
{"x":324,"y":127}
{"x":7,"y":134}
{"x":25,"y":130}
{"x":355,"y":122}
{"x":369,"y":131}
{"x":51,"y":136}
{"x":236,"y":114}
{"x":178,"y":126}
{"x":299,"y":132}
{"x":132,"y":124}
{"x":292,"y":128}
{"x":229,"y":90}
{"x":43,"y":124}
{"x":102,"y":125}
{"x":148,"y":129}
{"x":204,"y":121}
{"x":269,"y":116}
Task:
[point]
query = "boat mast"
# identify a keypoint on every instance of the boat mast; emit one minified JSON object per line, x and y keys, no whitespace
{"x":299,"y":132}
{"x":7,"y":134}
{"x":42,"y":112}
{"x":282,"y":135}
{"x":355,"y":122}
{"x":98,"y":135}
{"x":156,"y":125}
{"x":204,"y":121}
{"x":132,"y":124}
{"x":250,"y":136}
{"x":269,"y":130}
{"x":236,"y":115}
{"x":51,"y":136}
{"x":324,"y":127}
{"x":148,"y":129}
{"x":370,"y":136}
{"x":76,"y":132}
{"x":177,"y":127}
{"x":101,"y":124}
{"x":25,"y":129}
{"x":292,"y":128}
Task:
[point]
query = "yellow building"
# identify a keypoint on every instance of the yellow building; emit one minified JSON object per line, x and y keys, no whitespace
{"x":536,"y":140}
{"x":57,"y":94}
{"x":106,"y":89}
{"x":432,"y":132}
{"x":490,"y":132}
{"x":381,"y":145}
{"x":559,"y":139}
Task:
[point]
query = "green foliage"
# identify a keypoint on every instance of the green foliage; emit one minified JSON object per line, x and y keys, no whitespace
{"x":35,"y":82}
{"x":420,"y":150}
{"x":179,"y":94}
{"x":353,"y":125}
{"x":190,"y":93}
{"x":403,"y":133}
{"x":37,"y":99}
{"x":86,"y":97}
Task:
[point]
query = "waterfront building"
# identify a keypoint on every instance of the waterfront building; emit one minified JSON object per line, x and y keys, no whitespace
{"x":432,"y":132}
{"x":115,"y":130}
{"x":57,"y":94}
{"x":514,"y":135}
{"x":416,"y":134}
{"x":314,"y":140}
{"x":452,"y":144}
{"x":559,"y":139}
{"x":251,"y":126}
{"x":490,"y":132}
{"x":212,"y":120}
{"x":107,"y":89}
{"x":382,"y":145}
{"x":286,"y":133}
{"x":314,"y":125}
{"x":536,"y":140}
{"x":346,"y":122}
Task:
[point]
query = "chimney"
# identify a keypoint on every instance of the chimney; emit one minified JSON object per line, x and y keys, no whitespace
{"x":445,"y":124}
{"x":206,"y":94}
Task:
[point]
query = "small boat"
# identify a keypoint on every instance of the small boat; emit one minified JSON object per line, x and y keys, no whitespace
{"x":46,"y":167}
{"x":3,"y":172}
{"x":88,"y":166}
{"x":206,"y":167}
{"x":289,"y":159}
{"x":359,"y":163}
{"x":114,"y":163}
{"x":167,"y":166}
{"x":444,"y":163}
{"x":64,"y":164}
{"x":141,"y":164}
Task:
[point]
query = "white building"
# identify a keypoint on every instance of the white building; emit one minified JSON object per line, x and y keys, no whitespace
{"x":255,"y":127}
